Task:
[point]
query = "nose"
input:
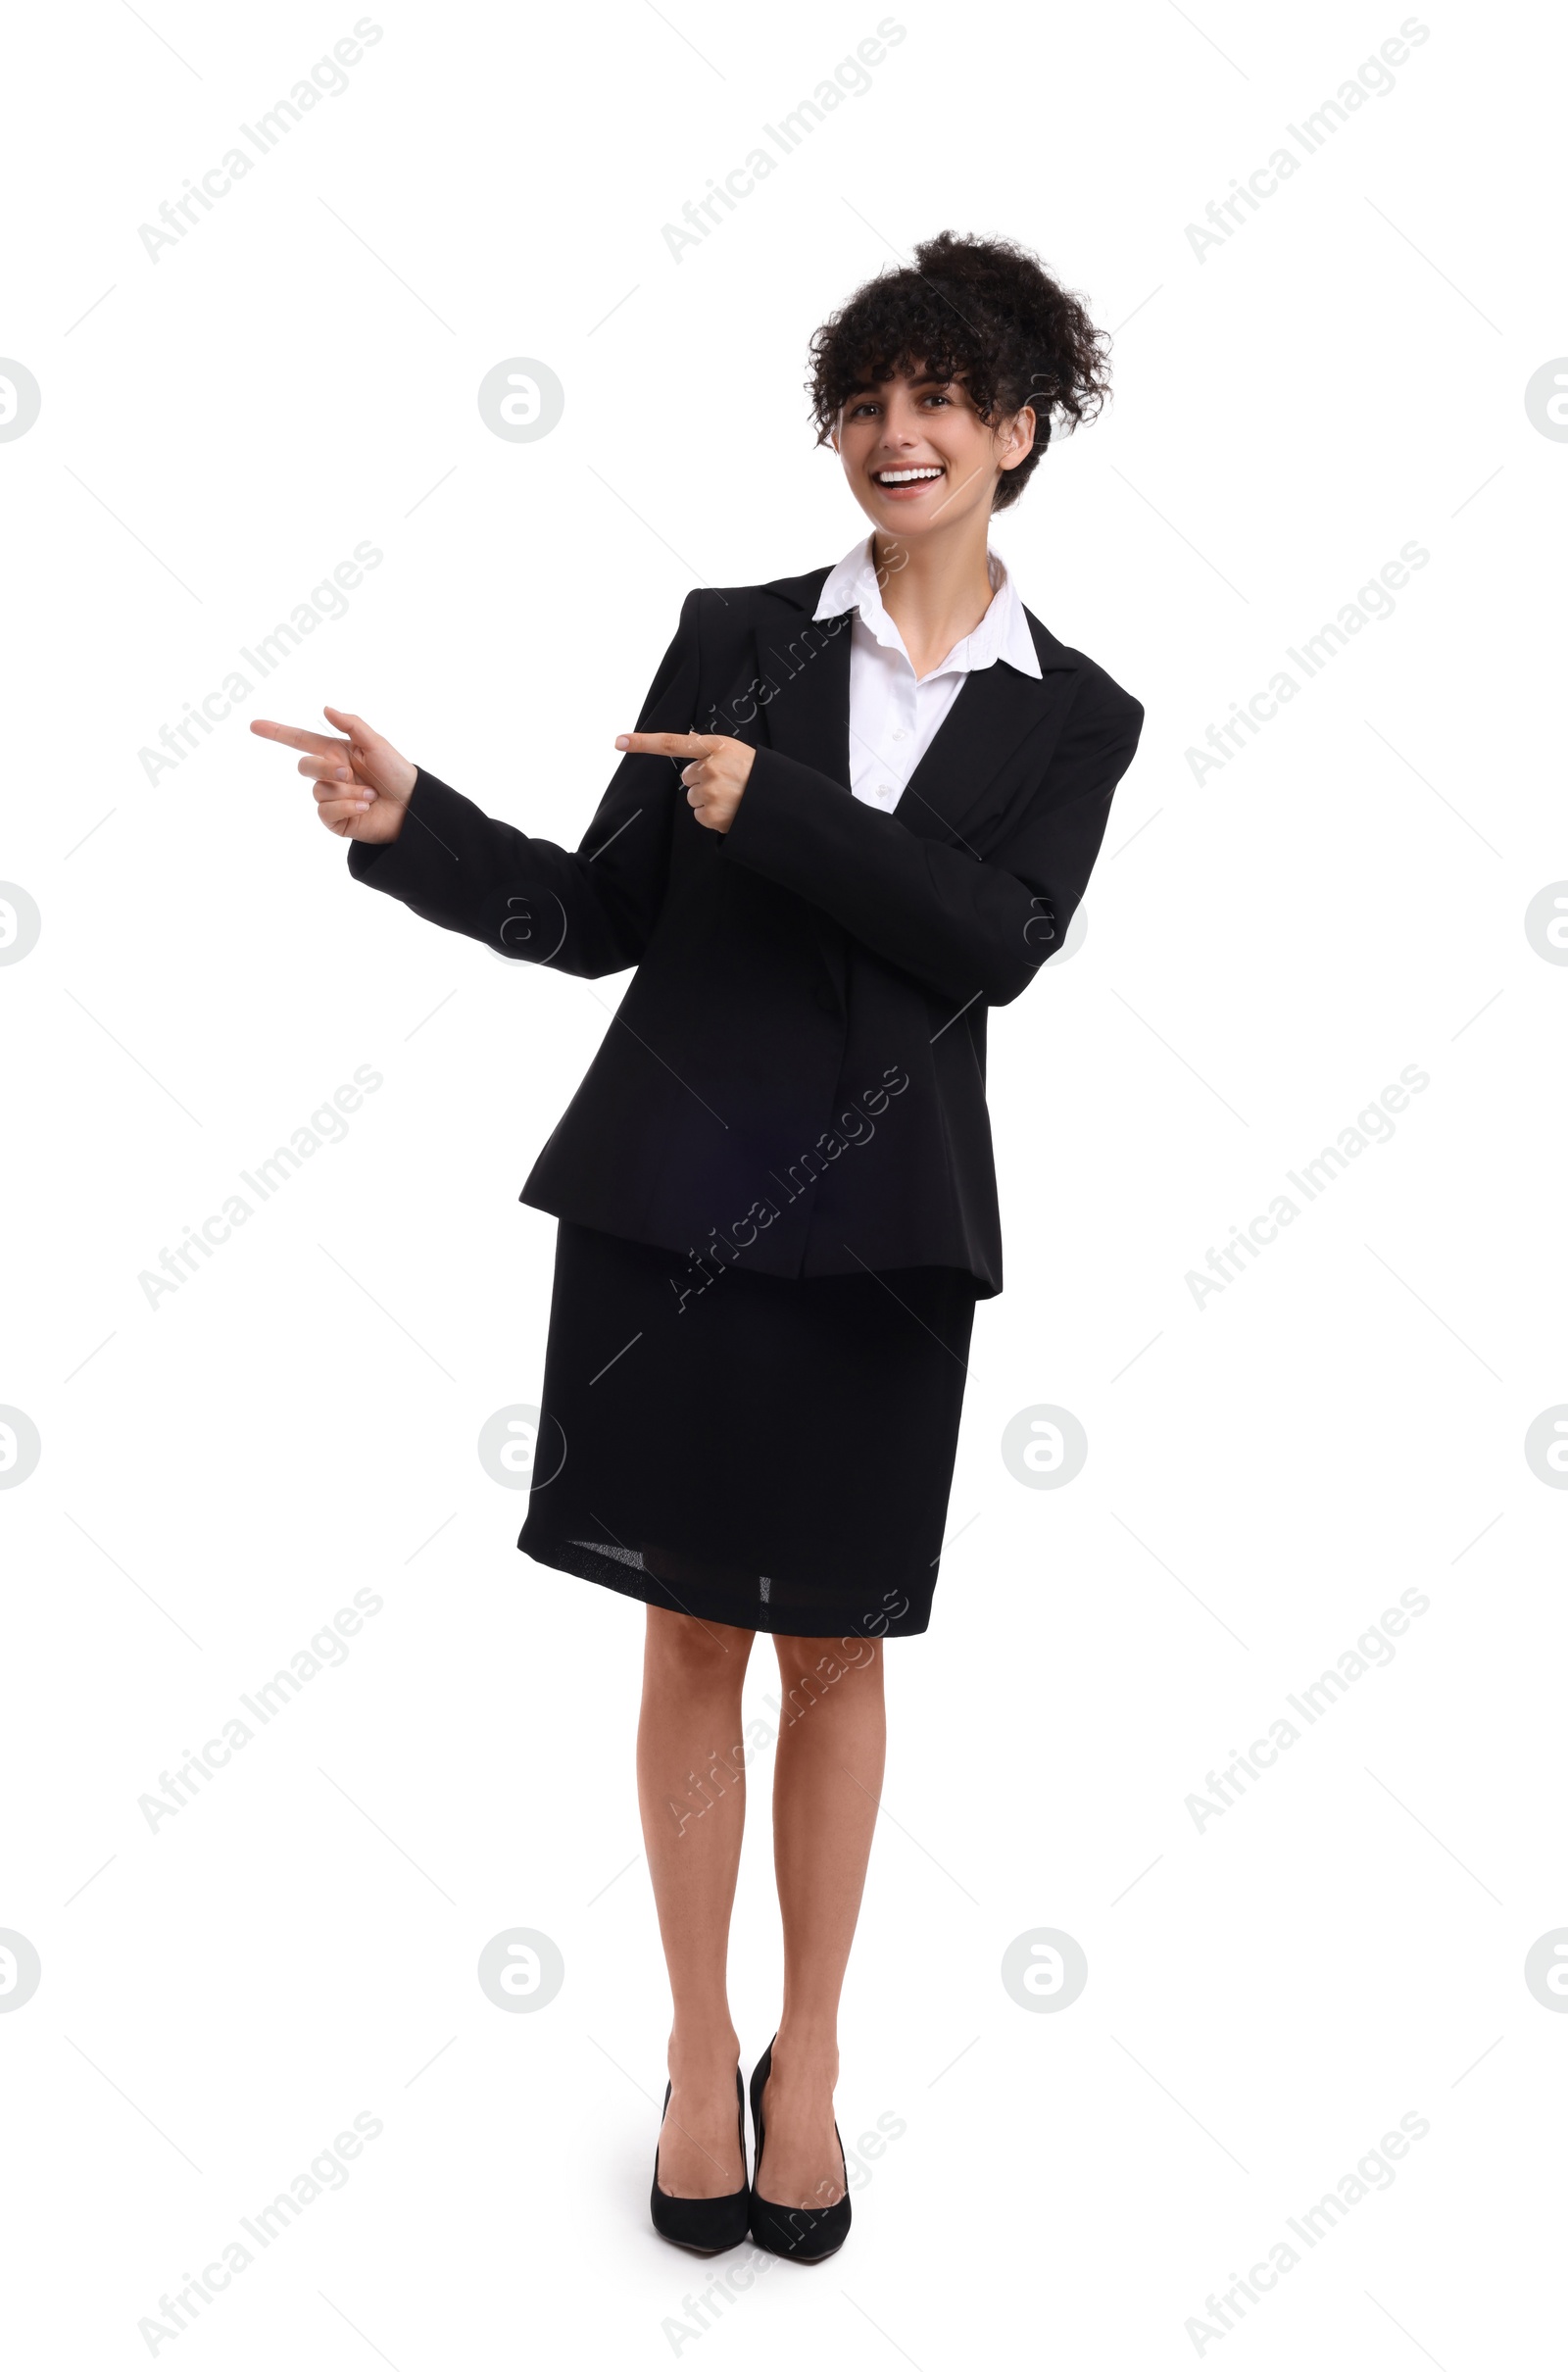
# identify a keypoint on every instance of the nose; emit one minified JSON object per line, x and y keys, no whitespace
{"x":902,"y":427}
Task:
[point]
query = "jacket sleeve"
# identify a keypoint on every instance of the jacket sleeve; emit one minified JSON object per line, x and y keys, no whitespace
{"x":963,"y":925}
{"x":588,"y":911}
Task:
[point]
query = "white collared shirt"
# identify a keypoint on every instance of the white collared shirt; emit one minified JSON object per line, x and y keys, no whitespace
{"x":894,"y":716}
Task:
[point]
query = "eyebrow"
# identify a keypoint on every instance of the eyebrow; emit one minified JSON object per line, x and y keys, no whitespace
{"x":927,"y":379}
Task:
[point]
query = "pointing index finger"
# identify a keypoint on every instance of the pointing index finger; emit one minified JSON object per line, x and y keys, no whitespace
{"x":665,"y":745}
{"x":296,"y":737}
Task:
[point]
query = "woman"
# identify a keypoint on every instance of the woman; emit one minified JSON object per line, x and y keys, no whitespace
{"x":860,"y":805}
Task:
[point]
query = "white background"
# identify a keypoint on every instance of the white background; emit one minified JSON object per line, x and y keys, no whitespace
{"x":1266,"y":949}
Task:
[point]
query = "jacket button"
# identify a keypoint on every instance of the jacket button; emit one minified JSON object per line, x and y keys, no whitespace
{"x":827,"y":999}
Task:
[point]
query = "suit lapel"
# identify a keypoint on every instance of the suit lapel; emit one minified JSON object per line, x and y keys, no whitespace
{"x":806,"y":714}
{"x":997,"y":708}
{"x":803,"y":688}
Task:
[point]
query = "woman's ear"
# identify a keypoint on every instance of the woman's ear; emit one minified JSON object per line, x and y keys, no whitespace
{"x":1018,"y":442}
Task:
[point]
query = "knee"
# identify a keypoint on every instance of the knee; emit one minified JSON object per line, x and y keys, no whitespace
{"x":696,"y":1654}
{"x":810,"y":1667}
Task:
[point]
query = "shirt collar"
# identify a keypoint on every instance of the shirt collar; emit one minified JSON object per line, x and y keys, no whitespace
{"x":1003,"y":632}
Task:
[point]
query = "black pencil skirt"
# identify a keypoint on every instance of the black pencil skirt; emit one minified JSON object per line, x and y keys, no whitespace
{"x":770,"y":1453}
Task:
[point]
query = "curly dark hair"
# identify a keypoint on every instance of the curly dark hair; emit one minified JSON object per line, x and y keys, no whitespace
{"x":984,"y":310}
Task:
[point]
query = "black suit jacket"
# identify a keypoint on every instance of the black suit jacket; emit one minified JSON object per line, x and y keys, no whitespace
{"x":795,"y":1076}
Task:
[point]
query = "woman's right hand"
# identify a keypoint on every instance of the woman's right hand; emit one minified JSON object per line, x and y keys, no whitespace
{"x":362,"y":785}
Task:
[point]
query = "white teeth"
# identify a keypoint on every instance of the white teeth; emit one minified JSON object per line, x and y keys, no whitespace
{"x":903,"y":477}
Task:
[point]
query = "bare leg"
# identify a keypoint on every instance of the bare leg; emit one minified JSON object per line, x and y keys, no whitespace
{"x":690,"y":1786}
{"x":826,"y":1783}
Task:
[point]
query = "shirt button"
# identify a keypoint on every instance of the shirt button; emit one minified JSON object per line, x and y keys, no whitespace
{"x":898,"y":733}
{"x":886,"y":788}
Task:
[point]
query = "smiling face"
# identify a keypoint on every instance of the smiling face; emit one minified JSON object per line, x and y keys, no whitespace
{"x":919,"y":458}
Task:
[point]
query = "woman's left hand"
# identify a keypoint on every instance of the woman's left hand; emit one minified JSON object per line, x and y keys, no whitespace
{"x":716,"y":773}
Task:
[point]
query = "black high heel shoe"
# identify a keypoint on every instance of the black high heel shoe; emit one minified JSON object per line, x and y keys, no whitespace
{"x":709,"y":2226}
{"x":805,"y":2234}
